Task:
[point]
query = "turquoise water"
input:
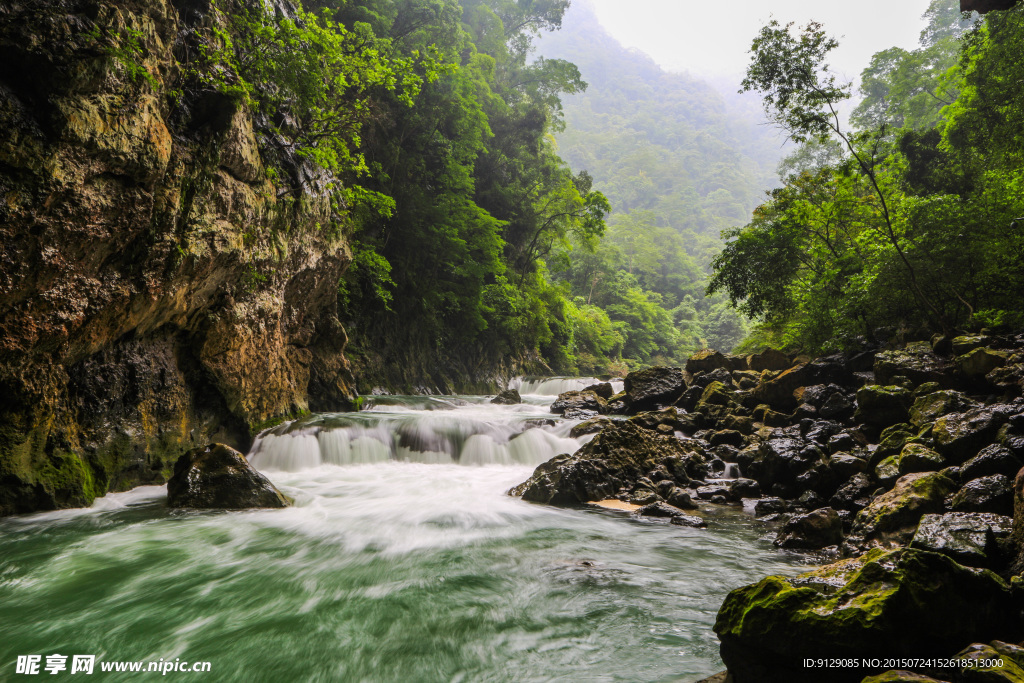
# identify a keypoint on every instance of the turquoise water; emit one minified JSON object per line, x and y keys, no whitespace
{"x":390,"y":571}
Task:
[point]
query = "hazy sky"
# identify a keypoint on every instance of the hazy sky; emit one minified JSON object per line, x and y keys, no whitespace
{"x":712,"y":38}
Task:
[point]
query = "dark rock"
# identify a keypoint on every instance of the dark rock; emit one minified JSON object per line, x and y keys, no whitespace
{"x":892,"y":518}
{"x":769,"y":359}
{"x":993,"y":493}
{"x":711,"y":490}
{"x":882,"y":407}
{"x":219,"y":477}
{"x":980,"y":362}
{"x":919,"y":366}
{"x":812,"y":531}
{"x":688,"y":520}
{"x":838,"y":406}
{"x":507,"y":398}
{"x":854,"y":495}
{"x":706,"y":361}
{"x":959,"y":436}
{"x":618,"y":456}
{"x":821,"y":431}
{"x":810,"y":500}
{"x":967,"y":343}
{"x":997,"y":662}
{"x":590,"y":426}
{"x":970,"y":538}
{"x":579,"y":403}
{"x":905,"y":603}
{"x":658,"y":510}
{"x":744,"y":488}
{"x":719,"y":500}
{"x":680,"y":498}
{"x":654,"y":387}
{"x":664,"y":421}
{"x":770,"y":506}
{"x":917,"y":458}
{"x":727,"y":437}
{"x":602,"y":389}
{"x":843,"y":441}
{"x":575,"y":413}
{"x":993,"y":459}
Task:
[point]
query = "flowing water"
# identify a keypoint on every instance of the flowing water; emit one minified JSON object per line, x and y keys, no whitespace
{"x":402,"y":560}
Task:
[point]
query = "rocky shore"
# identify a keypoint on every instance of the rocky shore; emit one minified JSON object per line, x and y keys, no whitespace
{"x":902,"y":465}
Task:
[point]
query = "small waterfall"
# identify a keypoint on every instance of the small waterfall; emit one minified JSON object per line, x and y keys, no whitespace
{"x":471,"y":435}
{"x":559,"y":385}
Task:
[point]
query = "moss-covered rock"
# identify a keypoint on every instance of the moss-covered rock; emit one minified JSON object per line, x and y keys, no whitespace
{"x":916,"y":457}
{"x":881,"y":407}
{"x":980,"y":362}
{"x":959,"y":436}
{"x":654,"y":388}
{"x":904,"y":603}
{"x":918,"y":365}
{"x":892,"y":518}
{"x":929,"y":407}
{"x":997,"y":662}
{"x":971,"y":538}
{"x":614,"y":460}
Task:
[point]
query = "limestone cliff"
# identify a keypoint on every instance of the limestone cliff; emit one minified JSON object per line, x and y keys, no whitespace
{"x":157,"y":290}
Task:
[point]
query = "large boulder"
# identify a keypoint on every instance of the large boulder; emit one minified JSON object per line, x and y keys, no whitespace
{"x":579,"y":405}
{"x":993,"y":493}
{"x":812,"y":531}
{"x":708,"y":360}
{"x":654,"y":388}
{"x":932,"y":406}
{"x":881,"y":407}
{"x":970,"y":538}
{"x":997,"y":662}
{"x":959,"y":436}
{"x":892,"y":518}
{"x":615,"y":459}
{"x":219,"y":477}
{"x":778,"y":392}
{"x":769,"y":359}
{"x":993,"y":459}
{"x":509,"y":397}
{"x":917,"y":364}
{"x":903,"y":603}
{"x":980,"y":362}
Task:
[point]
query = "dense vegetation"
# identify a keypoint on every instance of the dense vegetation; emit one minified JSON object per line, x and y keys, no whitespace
{"x":905,"y":220}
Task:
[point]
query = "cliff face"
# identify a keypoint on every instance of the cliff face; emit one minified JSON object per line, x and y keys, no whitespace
{"x":157,"y":290}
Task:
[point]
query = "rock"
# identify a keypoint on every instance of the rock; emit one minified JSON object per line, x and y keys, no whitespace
{"x":854,"y":495}
{"x":688,"y":520}
{"x":929,"y":407}
{"x":591,"y":426}
{"x":769,"y":359}
{"x":654,"y":388}
{"x":888,"y":471}
{"x":770,"y":506}
{"x":1018,"y":522}
{"x":659,"y":509}
{"x":918,"y":458}
{"x":712,"y":490}
{"x":778,"y":391}
{"x":967,"y":343}
{"x":892,"y":518}
{"x":905,"y":603}
{"x":993,"y":493}
{"x":959,"y":436}
{"x":901,"y":676}
{"x":997,"y":662}
{"x":919,"y":366}
{"x":664,"y":421}
{"x":882,"y":407}
{"x":993,"y":459}
{"x":617,"y":457}
{"x":812,"y":531}
{"x":603,"y":389}
{"x":680,"y":498}
{"x":727,"y":437}
{"x":837,"y":406}
{"x":970,"y":538}
{"x":579,"y":404}
{"x":219,"y":477}
{"x":706,"y":361}
{"x":509,"y":397}
{"x":980,"y":362}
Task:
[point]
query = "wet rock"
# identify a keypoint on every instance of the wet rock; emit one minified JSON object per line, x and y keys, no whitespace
{"x":906,"y":603}
{"x":602,"y":389}
{"x":663,"y":510}
{"x":997,"y":662}
{"x":967,"y":343}
{"x":643,"y":496}
{"x":653,"y":388}
{"x":591,"y":426}
{"x":810,"y":500}
{"x":688,"y":520}
{"x":664,"y":421}
{"x":901,"y":676}
{"x":918,"y":458}
{"x":769,"y":359}
{"x":993,"y":493}
{"x":1018,"y":522}
{"x":728,"y":437}
{"x":919,"y":366}
{"x":929,"y":407}
{"x":509,"y":397}
{"x":882,"y":407}
{"x":579,"y":404}
{"x":770,"y":506}
{"x":838,"y":406}
{"x":843,"y":441}
{"x":712,"y":490}
{"x":891,"y":519}
{"x":888,"y":471}
{"x":970,"y":538}
{"x":617,"y":457}
{"x":680,"y":498}
{"x":993,"y":459}
{"x":706,"y":361}
{"x":959,"y":436}
{"x":812,"y":531}
{"x":219,"y":477}
{"x":980,"y":362}
{"x":778,"y":392}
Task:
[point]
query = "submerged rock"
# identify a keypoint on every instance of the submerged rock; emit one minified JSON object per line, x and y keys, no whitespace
{"x":219,"y":477}
{"x":615,"y":459}
{"x":904,"y":603}
{"x":672,"y":513}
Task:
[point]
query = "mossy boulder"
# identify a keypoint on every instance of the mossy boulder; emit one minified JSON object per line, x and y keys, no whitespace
{"x":615,"y":459}
{"x":769,"y":359}
{"x":970,"y":538}
{"x":812,"y":531}
{"x":579,"y":404}
{"x":967,"y":343}
{"x":881,"y":407}
{"x":916,"y":457}
{"x":929,"y":407}
{"x":959,"y":436}
{"x":919,"y":365}
{"x":901,"y":676}
{"x":996,"y":662}
{"x":892,"y":518}
{"x":980,"y":362}
{"x":904,"y":603}
{"x":219,"y":477}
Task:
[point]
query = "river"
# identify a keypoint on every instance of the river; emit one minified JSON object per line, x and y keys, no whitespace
{"x":402,"y":560}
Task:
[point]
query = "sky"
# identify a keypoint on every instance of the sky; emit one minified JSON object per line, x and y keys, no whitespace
{"x":711,"y":39}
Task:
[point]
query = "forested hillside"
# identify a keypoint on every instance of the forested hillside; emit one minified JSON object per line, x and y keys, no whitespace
{"x":678,"y":166}
{"x":906,"y":222}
